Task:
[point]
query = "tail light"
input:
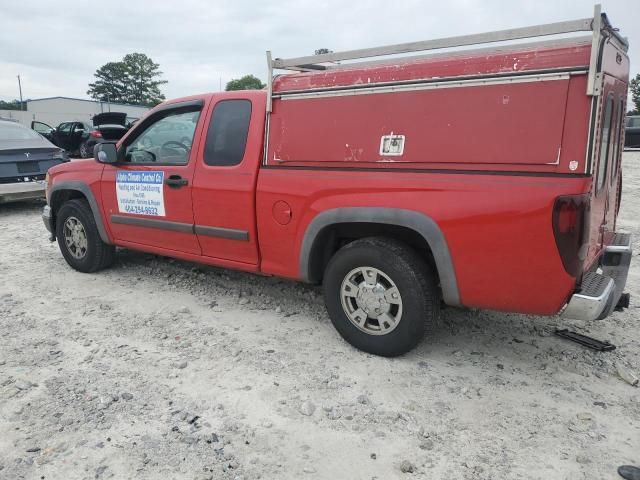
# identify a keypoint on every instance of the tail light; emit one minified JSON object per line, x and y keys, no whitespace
{"x":571,"y":231}
{"x":95,"y":134}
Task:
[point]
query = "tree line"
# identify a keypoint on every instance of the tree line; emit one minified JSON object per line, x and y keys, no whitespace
{"x":13,"y":105}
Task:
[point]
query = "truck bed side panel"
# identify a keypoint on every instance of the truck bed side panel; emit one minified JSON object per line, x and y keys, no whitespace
{"x":493,"y":224}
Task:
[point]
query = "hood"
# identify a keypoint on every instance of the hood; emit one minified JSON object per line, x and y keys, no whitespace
{"x":110,"y":118}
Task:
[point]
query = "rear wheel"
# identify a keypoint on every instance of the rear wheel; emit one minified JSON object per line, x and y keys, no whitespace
{"x":79,"y":239}
{"x":381,"y":296}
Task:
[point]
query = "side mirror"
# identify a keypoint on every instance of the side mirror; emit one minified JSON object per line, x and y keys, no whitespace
{"x":105,"y":153}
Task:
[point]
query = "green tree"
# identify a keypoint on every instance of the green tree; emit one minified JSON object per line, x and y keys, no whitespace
{"x":634,"y":87}
{"x":248,"y":82}
{"x":132,"y":80}
{"x":111,"y":83}
{"x":143,"y":76}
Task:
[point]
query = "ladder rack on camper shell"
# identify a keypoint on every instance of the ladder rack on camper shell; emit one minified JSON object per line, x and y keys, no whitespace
{"x":598,"y":24}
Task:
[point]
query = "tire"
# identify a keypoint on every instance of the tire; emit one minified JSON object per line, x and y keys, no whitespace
{"x":88,"y":255}
{"x":394,"y":264}
{"x":85,"y":151}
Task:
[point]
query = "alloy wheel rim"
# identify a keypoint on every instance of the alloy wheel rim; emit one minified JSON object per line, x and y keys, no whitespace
{"x":371,"y":300}
{"x":75,"y":237}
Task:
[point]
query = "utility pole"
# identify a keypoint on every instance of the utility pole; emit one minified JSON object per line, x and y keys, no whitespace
{"x":20,"y":88}
{"x":220,"y":83}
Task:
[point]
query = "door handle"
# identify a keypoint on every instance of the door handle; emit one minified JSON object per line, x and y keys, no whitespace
{"x":176,"y":181}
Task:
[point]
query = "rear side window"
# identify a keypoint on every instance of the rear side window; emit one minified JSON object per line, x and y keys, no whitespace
{"x":227,"y":134}
{"x":604,"y":145}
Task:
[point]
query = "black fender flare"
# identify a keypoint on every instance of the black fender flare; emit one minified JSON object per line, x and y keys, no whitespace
{"x":88,"y":194}
{"x":419,"y":222}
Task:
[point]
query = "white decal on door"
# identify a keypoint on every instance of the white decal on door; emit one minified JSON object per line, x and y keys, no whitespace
{"x":140,"y":192}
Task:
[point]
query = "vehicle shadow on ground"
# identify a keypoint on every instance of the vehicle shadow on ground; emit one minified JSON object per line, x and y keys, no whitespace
{"x":275,"y":290}
{"x":27,"y":207}
{"x":513,"y":337}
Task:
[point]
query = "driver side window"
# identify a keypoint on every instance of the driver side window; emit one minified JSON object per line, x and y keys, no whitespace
{"x":167,"y":140}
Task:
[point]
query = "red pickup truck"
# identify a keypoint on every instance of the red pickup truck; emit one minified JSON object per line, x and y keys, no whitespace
{"x":486,"y":178}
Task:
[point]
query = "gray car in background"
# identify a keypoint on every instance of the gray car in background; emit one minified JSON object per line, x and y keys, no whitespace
{"x":632,"y":132}
{"x":25,"y":158}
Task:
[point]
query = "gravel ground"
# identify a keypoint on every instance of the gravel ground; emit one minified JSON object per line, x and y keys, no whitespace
{"x":158,"y":368}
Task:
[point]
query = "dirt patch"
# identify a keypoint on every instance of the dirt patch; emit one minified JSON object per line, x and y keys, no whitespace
{"x":157,"y":368}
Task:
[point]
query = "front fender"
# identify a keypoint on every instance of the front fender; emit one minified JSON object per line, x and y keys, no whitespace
{"x":85,"y":190}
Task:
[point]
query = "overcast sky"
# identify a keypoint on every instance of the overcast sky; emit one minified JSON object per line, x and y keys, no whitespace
{"x":57,"y":46}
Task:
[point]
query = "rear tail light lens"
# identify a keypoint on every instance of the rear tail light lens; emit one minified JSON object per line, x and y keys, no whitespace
{"x":95,"y":134}
{"x":571,"y":231}
{"x":60,"y":155}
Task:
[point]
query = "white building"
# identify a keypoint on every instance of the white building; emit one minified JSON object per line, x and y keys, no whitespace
{"x":55,"y":110}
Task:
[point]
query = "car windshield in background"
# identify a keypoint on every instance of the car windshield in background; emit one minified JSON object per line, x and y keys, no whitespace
{"x":633,"y":122}
{"x":14,"y":131}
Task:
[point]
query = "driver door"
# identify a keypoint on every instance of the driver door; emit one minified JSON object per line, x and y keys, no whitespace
{"x":62,"y":135}
{"x":147,"y":194}
{"x":77,"y":133}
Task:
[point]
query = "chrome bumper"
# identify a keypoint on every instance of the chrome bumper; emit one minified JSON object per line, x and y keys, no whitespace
{"x":601,"y":289}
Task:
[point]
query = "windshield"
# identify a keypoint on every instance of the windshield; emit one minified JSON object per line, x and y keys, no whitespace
{"x":15,"y":131}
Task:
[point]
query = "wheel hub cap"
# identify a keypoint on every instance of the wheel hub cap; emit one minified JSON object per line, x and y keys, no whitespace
{"x":371,"y":300}
{"x":75,"y":237}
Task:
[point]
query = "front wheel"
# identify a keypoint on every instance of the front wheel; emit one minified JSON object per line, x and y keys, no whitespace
{"x":79,"y":239}
{"x":382,"y":297}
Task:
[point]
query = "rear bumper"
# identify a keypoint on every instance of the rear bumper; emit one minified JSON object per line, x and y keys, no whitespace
{"x":15,"y":192}
{"x":601,"y":289}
